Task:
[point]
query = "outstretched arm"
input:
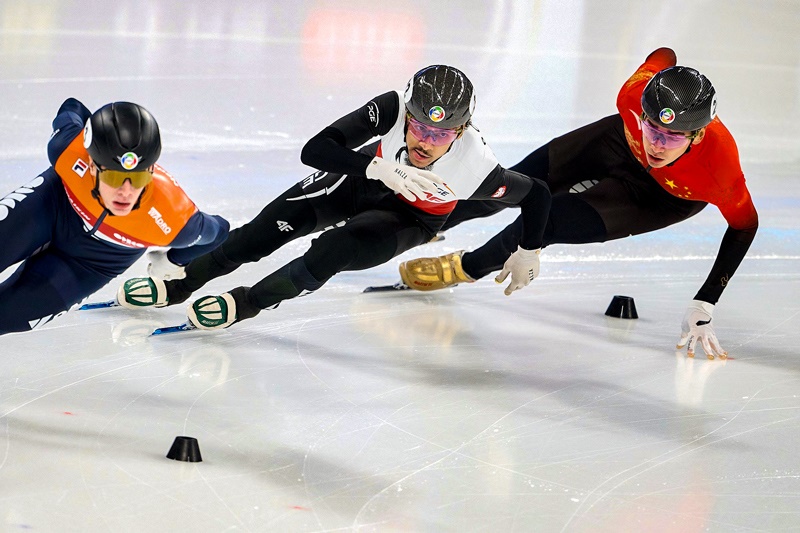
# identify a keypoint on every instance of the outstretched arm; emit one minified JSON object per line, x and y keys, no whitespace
{"x":697,"y":327}
{"x":533,"y":197}
{"x":739,"y":211}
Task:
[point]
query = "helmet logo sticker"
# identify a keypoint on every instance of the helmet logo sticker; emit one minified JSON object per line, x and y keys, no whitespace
{"x":714,"y":107}
{"x":87,"y":134}
{"x":666,"y":115}
{"x":129,"y":160}
{"x":436,"y":113}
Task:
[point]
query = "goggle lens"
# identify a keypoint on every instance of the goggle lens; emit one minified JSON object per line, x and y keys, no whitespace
{"x":668,"y":140}
{"x":435,"y":136}
{"x":116,"y":178}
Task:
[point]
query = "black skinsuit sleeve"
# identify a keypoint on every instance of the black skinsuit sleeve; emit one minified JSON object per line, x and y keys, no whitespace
{"x":734,"y":246}
{"x":531,"y":194}
{"x":332,"y":149}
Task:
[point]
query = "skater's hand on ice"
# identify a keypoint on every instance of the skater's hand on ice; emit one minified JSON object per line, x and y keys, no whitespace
{"x":406,"y":180}
{"x":696,"y":327}
{"x":523,"y":265}
{"x":161,"y":267}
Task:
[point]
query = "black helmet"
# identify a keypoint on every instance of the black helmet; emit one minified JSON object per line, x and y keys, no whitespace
{"x":122,"y":136}
{"x":440,"y":96}
{"x":680,"y":99}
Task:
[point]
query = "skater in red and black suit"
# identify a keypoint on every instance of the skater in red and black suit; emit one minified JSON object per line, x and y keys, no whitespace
{"x":93,"y":213}
{"x":659,"y":161}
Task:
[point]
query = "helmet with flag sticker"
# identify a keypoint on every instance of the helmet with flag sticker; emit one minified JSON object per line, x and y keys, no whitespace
{"x":680,"y":99}
{"x":440,"y":96}
{"x":122,"y":136}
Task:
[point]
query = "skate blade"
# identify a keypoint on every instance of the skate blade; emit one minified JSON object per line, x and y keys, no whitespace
{"x":99,"y":305}
{"x":399,"y":286}
{"x":187,"y":326}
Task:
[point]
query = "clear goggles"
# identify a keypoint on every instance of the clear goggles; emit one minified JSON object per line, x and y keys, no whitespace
{"x":667,"y":139}
{"x":116,"y":178}
{"x":431,"y":134}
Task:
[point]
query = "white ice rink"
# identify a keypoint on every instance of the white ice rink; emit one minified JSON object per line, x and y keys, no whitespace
{"x":456,"y":411}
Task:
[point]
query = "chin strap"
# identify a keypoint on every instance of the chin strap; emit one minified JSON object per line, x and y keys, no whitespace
{"x":96,"y":190}
{"x":96,"y":196}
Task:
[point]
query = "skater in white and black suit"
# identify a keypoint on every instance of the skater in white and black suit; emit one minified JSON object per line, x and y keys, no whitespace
{"x":379,"y":201}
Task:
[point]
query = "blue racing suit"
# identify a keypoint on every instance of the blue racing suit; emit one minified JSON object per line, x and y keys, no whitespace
{"x":70,"y":245}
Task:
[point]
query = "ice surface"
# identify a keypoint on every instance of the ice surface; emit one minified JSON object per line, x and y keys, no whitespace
{"x":455,"y":411}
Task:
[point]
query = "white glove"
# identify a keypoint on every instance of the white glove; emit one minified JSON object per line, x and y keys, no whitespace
{"x":696,"y":327}
{"x":523,"y":265}
{"x":162,"y":268}
{"x":408,"y":181}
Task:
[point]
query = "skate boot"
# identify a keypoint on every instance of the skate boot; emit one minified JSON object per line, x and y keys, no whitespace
{"x":218,"y":312}
{"x":434,"y":273}
{"x":136,"y":293}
